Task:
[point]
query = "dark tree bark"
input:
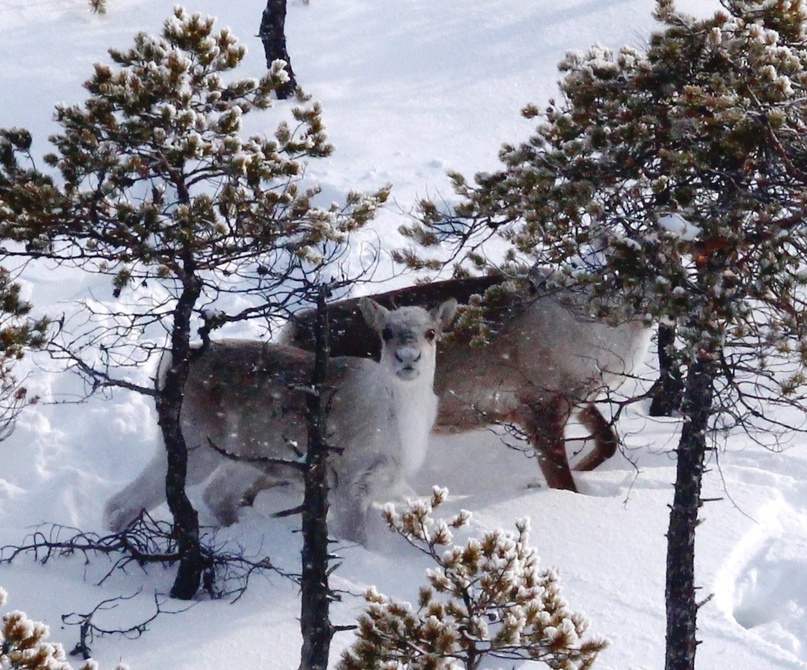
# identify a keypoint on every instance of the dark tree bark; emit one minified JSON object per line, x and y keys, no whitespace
{"x":669,"y":388}
{"x":273,"y":36}
{"x":169,"y":405}
{"x":315,"y":623}
{"x":682,"y":605}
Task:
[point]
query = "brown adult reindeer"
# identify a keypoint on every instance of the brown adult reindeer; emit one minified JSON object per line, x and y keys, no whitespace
{"x":246,"y":397}
{"x":545,"y":358}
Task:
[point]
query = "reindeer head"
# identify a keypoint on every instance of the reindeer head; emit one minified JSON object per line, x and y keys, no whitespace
{"x":409,"y":336}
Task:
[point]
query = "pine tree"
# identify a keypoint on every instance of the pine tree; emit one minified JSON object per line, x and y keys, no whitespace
{"x":155,"y":187}
{"x":98,"y":6}
{"x":18,"y":333}
{"x":315,"y":591}
{"x":684,"y":162}
{"x":485,"y":600}
{"x":23,"y":645}
{"x":273,"y":37}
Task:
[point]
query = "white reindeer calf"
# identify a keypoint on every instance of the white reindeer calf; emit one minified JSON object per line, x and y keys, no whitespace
{"x":244,"y":397}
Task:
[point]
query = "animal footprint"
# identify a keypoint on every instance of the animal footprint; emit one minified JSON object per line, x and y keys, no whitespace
{"x":768,"y":592}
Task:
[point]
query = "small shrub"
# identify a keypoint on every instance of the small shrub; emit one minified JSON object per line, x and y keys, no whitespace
{"x":487,"y":598}
{"x":23,"y":646}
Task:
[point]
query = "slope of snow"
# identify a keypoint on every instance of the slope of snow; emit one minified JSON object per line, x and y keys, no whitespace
{"x":410,"y":89}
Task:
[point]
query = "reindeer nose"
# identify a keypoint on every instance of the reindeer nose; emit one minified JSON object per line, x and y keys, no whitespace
{"x":407,"y":355}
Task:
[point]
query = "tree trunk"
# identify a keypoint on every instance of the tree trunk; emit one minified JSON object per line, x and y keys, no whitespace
{"x":315,"y":623}
{"x":273,"y":36}
{"x":669,"y":388}
{"x":169,"y":405}
{"x":682,"y":606}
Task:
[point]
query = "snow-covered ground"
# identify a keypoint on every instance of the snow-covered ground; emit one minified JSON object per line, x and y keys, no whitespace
{"x":410,"y":89}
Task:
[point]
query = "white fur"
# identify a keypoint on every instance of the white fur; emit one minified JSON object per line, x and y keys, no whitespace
{"x":417,"y":411}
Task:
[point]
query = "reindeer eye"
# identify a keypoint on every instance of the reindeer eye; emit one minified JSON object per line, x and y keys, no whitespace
{"x":431,"y":333}
{"x":386,"y":334}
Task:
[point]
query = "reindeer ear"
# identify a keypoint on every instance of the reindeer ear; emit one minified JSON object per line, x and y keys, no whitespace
{"x":374,"y":314}
{"x":444,"y":314}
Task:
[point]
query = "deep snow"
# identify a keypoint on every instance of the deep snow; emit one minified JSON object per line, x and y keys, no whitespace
{"x":410,"y":89}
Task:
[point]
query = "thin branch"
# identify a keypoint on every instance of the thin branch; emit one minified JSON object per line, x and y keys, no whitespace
{"x":88,"y":629}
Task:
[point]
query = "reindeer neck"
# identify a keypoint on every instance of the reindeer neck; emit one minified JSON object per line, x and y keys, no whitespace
{"x":417,"y":410}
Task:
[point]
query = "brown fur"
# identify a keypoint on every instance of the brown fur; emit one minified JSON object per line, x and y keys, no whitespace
{"x":545,"y":358}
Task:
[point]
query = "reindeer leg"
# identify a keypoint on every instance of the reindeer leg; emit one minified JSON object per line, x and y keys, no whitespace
{"x":605,"y":438}
{"x":547,"y":425}
{"x":230,"y":484}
